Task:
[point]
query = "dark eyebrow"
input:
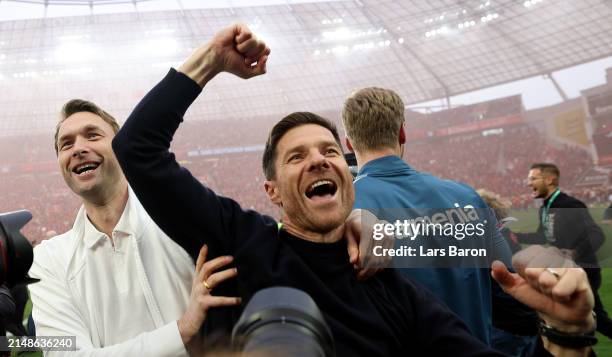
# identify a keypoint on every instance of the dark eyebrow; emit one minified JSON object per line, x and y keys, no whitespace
{"x":298,"y":148}
{"x":86,"y":129}
{"x":91,"y":127}
{"x":322,"y":144}
{"x":332,"y":143}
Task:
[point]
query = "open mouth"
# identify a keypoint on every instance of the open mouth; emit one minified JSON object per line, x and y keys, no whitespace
{"x":321,"y":189}
{"x":85,"y":168}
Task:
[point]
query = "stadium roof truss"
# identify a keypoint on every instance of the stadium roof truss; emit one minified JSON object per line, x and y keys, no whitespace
{"x":321,"y":50}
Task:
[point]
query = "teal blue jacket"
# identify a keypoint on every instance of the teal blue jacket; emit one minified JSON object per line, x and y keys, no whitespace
{"x":388,"y":185}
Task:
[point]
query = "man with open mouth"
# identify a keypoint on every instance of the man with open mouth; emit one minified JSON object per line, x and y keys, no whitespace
{"x":308,"y":178}
{"x":565,"y":223}
{"x":114,"y":281}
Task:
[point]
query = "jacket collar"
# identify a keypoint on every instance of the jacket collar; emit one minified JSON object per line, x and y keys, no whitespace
{"x":129,"y":223}
{"x":385,"y":166}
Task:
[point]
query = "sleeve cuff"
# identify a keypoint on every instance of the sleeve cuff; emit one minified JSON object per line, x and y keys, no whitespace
{"x":168,"y":341}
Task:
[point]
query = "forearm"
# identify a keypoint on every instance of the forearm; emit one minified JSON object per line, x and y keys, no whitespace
{"x":162,"y":342}
{"x":200,"y":66}
{"x":184,"y":209}
{"x":55,"y":314}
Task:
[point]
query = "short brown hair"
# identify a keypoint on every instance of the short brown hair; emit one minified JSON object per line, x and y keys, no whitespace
{"x":372,"y":118}
{"x":289,"y":122}
{"x":79,"y":105}
{"x":548,"y":168}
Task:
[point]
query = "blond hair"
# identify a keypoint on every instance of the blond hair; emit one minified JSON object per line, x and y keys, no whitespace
{"x":372,"y":118}
{"x":500,"y":206}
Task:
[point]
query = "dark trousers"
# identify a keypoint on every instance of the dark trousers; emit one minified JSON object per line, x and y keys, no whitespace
{"x":604,"y":324}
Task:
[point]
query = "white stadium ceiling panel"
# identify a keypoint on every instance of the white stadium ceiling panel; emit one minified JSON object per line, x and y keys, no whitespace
{"x":321,"y":50}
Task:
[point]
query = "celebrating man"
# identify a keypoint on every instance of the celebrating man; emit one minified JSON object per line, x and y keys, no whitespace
{"x":308,"y":178}
{"x":565,"y":223}
{"x":115,"y":281}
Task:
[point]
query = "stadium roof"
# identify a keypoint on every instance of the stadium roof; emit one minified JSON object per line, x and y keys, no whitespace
{"x":321,"y":50}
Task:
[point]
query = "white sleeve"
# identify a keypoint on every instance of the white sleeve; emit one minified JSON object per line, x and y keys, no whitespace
{"x":54,"y":314}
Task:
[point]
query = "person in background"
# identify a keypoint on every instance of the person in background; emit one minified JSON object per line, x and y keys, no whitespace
{"x":374,"y":122}
{"x":565,"y":223}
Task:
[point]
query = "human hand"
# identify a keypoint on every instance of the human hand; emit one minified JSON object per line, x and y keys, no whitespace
{"x":550,"y":283}
{"x":234,"y":49}
{"x":201,"y":300}
{"x":358,"y":233}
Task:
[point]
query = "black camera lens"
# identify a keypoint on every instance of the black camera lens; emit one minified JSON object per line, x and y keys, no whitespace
{"x":15,"y":251}
{"x":286,"y":321}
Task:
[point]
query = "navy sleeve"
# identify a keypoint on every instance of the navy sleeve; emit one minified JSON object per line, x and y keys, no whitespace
{"x":441,"y":332}
{"x":187,"y":211}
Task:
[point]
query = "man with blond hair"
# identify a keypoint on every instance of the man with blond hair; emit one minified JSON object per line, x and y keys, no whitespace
{"x":374,"y":122}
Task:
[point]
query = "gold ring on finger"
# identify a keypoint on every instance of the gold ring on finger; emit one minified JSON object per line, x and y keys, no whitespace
{"x":208,"y":287}
{"x":554,"y":273}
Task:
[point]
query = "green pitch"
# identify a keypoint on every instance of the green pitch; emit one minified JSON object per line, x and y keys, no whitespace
{"x":528,"y":221}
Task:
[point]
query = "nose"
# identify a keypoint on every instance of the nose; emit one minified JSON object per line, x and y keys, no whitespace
{"x":79,"y":148}
{"x":318,"y":161}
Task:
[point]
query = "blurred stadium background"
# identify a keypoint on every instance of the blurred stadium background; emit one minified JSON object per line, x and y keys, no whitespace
{"x":490,"y":86}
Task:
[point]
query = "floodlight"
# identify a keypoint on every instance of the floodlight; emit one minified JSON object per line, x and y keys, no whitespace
{"x":341,"y":33}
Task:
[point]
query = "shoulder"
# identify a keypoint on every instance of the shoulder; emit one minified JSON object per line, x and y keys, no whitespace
{"x":567,"y":201}
{"x":54,"y":254}
{"x":462,"y":193}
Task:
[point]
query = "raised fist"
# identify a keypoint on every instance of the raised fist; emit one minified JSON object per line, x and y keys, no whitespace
{"x":235,"y":49}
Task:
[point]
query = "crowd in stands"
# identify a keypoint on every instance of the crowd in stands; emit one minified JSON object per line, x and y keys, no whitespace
{"x":496,"y":162}
{"x":30,"y":179}
{"x":46,"y":196}
{"x":497,"y":108}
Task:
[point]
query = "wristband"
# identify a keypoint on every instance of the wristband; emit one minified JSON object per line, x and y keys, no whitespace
{"x":566,"y":339}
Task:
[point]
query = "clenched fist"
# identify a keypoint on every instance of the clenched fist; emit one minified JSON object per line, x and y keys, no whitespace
{"x":234,"y":49}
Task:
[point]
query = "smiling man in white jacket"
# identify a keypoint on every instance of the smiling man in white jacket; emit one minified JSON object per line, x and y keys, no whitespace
{"x":115,"y":280}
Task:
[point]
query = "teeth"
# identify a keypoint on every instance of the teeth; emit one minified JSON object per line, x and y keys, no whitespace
{"x":81,"y":168}
{"x":319,"y":183}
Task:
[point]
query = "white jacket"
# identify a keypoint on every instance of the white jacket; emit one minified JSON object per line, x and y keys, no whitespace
{"x":121,"y":301}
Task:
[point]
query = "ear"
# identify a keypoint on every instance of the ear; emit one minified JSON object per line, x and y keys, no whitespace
{"x":402,"y":135}
{"x":273,"y":192}
{"x":349,"y":146}
{"x":549,"y":179}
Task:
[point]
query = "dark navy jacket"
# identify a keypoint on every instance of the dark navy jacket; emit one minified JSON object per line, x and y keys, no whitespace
{"x":384,"y":316}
